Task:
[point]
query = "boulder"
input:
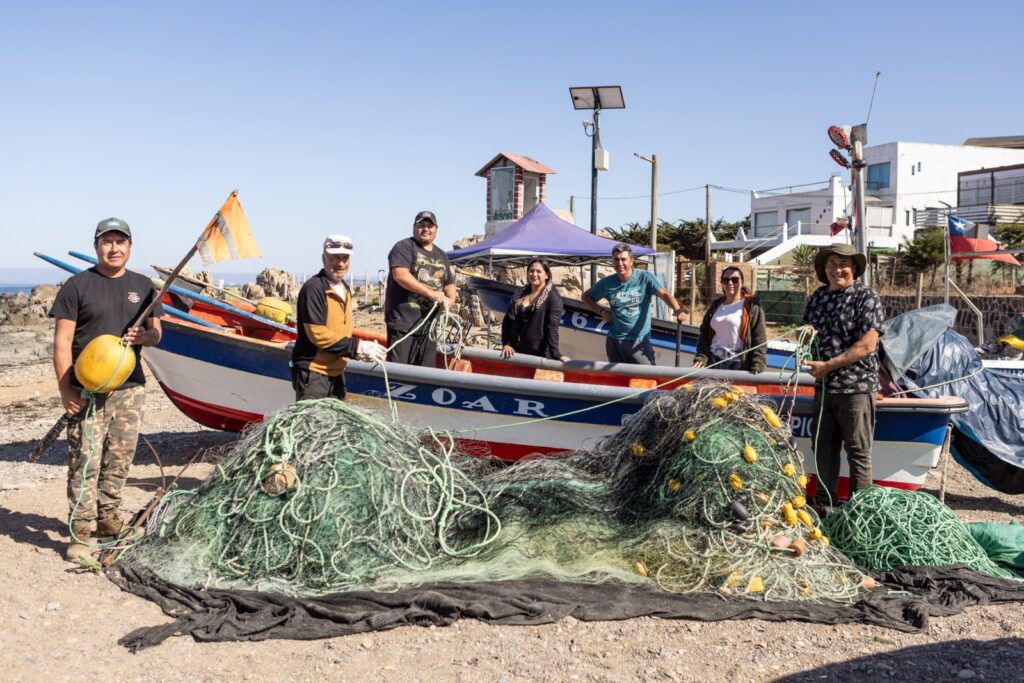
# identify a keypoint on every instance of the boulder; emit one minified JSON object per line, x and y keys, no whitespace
{"x":277,"y":283}
{"x":252,"y":291}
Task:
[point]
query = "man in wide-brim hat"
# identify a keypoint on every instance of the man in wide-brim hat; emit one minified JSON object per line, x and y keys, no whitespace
{"x":847,"y":317}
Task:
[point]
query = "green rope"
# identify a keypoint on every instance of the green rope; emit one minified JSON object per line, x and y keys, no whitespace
{"x":883,"y":528}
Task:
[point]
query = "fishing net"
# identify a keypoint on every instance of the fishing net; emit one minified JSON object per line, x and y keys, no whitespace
{"x":883,"y":529}
{"x":700,"y":491}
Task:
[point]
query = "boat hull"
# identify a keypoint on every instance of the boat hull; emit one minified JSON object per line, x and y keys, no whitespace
{"x":227,"y":382}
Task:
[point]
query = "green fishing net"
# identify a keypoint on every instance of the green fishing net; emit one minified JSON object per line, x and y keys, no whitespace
{"x":884,"y":528}
{"x":701,"y":490}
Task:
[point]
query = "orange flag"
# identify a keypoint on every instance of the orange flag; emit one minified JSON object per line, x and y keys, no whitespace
{"x":228,"y":235}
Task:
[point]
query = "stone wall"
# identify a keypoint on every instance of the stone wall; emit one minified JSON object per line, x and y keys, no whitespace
{"x":996,"y":312}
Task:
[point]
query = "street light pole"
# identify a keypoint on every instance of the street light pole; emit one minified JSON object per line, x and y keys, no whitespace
{"x":596,"y":98}
{"x":596,"y":139}
{"x":653,"y":161}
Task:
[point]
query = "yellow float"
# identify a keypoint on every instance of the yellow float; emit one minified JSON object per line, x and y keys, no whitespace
{"x":104,"y":364}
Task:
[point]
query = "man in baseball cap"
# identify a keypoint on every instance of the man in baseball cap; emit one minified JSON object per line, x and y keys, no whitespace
{"x":324,"y":341}
{"x":420,"y":283}
{"x":103,"y":300}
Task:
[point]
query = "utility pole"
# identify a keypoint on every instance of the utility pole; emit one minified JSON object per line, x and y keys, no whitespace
{"x":707,"y":224}
{"x":859,"y":138}
{"x":596,"y":139}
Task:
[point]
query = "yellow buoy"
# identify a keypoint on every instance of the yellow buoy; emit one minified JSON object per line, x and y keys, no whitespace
{"x":104,"y":364}
{"x":274,"y":309}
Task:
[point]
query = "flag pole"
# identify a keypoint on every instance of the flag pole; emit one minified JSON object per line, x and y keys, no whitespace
{"x":945,"y":262}
{"x":170,"y":278}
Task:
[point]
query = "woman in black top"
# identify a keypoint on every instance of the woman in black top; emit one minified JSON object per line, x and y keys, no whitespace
{"x":531,"y":324}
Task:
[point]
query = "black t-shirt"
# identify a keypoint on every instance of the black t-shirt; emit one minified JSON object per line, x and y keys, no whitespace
{"x":104,"y":305}
{"x":403,"y":309}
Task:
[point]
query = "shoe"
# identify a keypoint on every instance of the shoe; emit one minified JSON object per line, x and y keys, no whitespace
{"x":109,"y":525}
{"x":79,"y":545}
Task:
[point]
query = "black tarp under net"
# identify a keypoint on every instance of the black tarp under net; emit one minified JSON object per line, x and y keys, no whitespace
{"x":233,"y":615}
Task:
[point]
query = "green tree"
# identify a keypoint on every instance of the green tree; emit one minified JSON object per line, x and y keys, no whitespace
{"x":926,"y":252}
{"x":803,"y":265}
{"x":1011,"y":236}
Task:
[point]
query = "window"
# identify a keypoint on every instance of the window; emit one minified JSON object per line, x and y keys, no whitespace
{"x":878,"y":176}
{"x":502,"y":193}
{"x":765,"y":223}
{"x":801,"y":216}
{"x":907,"y":217}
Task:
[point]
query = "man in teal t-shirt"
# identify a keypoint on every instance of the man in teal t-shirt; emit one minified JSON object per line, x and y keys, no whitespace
{"x":629,"y":292}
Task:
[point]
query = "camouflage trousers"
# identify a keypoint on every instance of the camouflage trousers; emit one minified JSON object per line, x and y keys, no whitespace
{"x":100,"y":451}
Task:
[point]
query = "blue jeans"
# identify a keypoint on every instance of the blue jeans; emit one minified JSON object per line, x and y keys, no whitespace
{"x":635,"y":351}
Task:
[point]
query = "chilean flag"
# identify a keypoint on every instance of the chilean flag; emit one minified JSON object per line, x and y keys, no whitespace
{"x":958,"y":241}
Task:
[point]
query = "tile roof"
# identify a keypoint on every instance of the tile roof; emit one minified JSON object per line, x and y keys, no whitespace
{"x":524,"y":162}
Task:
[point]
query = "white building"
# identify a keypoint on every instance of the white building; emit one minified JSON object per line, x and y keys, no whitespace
{"x":902,"y":179}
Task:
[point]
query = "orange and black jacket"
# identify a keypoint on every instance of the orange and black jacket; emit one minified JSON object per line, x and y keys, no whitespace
{"x":752,"y":331}
{"x":324,"y":342}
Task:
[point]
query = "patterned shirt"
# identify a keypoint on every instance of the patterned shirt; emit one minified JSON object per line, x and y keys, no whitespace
{"x":841,"y":319}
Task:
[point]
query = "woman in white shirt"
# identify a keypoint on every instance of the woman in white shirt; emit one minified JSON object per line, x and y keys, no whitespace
{"x":733,"y":323}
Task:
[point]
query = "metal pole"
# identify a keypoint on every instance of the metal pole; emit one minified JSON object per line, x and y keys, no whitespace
{"x":654,"y":202}
{"x":707,"y":224}
{"x":858,"y":194}
{"x":595,"y":139}
{"x":693,"y":293}
{"x":945,"y":263}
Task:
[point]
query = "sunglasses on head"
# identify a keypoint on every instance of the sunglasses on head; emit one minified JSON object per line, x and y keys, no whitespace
{"x":338,"y":245}
{"x":735,"y":278}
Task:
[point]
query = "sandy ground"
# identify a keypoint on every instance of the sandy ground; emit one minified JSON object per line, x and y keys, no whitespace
{"x":60,"y":623}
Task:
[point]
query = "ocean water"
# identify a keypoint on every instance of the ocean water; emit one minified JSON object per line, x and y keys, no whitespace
{"x":14,"y":289}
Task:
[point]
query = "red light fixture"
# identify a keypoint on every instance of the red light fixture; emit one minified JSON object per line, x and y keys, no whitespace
{"x":838,"y":138}
{"x":839,"y":158}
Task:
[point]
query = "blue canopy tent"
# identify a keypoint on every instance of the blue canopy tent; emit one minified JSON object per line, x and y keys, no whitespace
{"x":540,"y":233}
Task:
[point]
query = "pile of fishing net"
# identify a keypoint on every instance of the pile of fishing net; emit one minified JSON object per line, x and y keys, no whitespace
{"x":700,"y":491}
{"x":884,"y":528}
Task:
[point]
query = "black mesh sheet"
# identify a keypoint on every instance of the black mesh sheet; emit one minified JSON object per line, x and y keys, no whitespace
{"x":230,"y":615}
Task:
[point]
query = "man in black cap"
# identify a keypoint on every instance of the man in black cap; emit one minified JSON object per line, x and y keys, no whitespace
{"x":420,"y":277}
{"x":847,"y":318}
{"x":104,"y":299}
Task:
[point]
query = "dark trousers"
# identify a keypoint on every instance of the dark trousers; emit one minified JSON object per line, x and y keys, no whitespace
{"x":308,"y":384}
{"x":847,"y":421}
{"x":415,"y":350}
{"x":634,"y":351}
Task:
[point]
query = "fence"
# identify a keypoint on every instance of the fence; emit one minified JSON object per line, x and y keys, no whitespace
{"x":785,"y":307}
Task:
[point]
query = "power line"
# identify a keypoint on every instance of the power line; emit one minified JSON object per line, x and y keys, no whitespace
{"x":645,"y":196}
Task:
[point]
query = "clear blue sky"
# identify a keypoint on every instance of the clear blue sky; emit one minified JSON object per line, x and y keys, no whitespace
{"x":345,"y":117}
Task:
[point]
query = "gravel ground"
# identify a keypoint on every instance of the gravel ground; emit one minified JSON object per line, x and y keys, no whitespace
{"x":62,"y":624}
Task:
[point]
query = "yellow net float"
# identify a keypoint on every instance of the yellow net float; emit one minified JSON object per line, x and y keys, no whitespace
{"x":104,"y":364}
{"x":274,"y":309}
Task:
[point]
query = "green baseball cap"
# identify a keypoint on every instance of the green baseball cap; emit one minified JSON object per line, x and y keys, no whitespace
{"x":112,"y":225}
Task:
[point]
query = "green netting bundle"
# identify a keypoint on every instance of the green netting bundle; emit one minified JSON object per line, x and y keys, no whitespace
{"x":884,"y":528}
{"x":699,"y":491}
{"x":320,"y":497}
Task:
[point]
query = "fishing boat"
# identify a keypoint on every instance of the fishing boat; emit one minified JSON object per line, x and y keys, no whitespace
{"x":233,"y":374}
{"x":227,"y":368}
{"x":582,"y":334}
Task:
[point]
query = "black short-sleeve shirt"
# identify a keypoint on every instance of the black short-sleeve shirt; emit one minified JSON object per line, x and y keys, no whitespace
{"x":403,"y":309}
{"x":104,"y":305}
{"x":841,"y":319}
